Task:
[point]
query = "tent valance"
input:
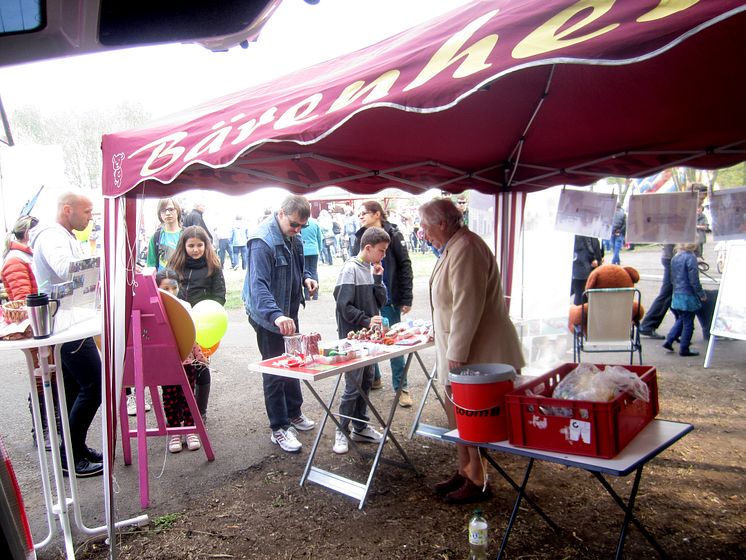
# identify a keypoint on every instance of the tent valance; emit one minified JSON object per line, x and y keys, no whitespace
{"x":497,"y":95}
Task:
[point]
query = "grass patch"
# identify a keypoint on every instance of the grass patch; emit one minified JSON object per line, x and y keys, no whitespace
{"x":167,"y":521}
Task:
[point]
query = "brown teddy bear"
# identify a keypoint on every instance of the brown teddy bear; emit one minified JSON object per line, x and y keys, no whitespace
{"x":607,"y":276}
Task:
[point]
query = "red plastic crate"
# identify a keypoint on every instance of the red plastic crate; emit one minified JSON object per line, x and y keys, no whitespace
{"x":595,"y":429}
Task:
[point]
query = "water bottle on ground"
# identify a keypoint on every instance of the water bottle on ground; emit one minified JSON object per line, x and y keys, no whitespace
{"x":478,"y":537}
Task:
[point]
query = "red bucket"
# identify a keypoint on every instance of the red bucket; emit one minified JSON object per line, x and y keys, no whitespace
{"x":478,"y":393}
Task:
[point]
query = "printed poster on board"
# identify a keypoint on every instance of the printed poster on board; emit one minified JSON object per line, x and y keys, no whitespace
{"x":586,"y":213}
{"x":728,"y":211}
{"x":662,"y":218}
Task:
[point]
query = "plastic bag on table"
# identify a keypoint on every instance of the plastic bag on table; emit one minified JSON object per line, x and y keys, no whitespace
{"x":588,"y":383}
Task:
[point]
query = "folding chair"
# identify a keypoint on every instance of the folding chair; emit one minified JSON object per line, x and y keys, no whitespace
{"x":609,"y":323}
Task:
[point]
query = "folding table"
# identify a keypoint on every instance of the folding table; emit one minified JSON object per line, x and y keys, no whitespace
{"x":312,"y":373}
{"x":655,"y":438}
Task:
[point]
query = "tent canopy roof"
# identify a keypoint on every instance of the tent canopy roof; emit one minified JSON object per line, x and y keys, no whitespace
{"x":495,"y":96}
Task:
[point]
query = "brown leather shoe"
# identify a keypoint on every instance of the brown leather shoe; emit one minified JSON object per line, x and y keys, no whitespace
{"x":449,"y":485}
{"x":468,"y":493}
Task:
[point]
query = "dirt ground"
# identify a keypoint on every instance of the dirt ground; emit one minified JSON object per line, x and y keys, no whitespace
{"x":249,"y":504}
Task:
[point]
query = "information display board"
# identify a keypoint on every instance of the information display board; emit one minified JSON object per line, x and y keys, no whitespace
{"x":662,"y":218}
{"x":729,"y":319}
{"x":586,"y":213}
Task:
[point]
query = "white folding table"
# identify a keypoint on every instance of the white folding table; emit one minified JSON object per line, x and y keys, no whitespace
{"x":61,"y":506}
{"x":655,"y":438}
{"x":313,"y":373}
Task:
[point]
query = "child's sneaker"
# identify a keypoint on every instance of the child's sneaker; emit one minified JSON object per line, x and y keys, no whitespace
{"x":131,"y":405}
{"x":366,"y":435}
{"x":286,"y":440}
{"x":193,"y":442}
{"x":302,"y":423}
{"x":174,"y":444}
{"x":340,"y":443}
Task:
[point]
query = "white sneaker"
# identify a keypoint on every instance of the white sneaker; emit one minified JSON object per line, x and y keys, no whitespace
{"x":131,"y":404}
{"x":193,"y":442}
{"x":302,"y":423}
{"x":340,"y":443}
{"x":366,"y":435}
{"x":286,"y":440}
{"x":174,"y":444}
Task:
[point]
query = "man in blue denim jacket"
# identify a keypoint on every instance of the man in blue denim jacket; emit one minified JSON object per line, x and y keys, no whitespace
{"x":272,"y":294}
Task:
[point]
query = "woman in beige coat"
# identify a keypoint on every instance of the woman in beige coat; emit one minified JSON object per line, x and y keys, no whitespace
{"x":471,"y":324}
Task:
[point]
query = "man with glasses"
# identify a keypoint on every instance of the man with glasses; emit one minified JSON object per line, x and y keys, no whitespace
{"x":272,"y":294}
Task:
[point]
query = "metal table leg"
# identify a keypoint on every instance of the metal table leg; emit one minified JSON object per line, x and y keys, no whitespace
{"x":514,"y":514}
{"x":629,"y":515}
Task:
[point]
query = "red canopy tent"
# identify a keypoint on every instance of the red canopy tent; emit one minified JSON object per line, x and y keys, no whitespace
{"x":499,"y":96}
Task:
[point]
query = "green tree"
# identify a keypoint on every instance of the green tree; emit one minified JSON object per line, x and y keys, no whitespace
{"x":79,"y":133}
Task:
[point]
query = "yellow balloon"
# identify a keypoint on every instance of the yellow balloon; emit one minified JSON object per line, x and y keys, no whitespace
{"x":210,"y":322}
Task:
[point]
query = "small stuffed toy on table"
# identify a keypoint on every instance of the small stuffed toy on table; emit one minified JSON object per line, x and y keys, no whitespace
{"x":607,"y":276}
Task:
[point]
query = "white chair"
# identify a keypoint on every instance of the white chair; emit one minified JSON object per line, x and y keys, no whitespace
{"x":610,"y":326}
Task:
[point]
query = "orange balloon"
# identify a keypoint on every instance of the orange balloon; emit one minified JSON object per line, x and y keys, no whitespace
{"x":209,"y":351}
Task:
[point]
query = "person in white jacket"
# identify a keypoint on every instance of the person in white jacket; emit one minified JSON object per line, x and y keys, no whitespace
{"x":55,"y":247}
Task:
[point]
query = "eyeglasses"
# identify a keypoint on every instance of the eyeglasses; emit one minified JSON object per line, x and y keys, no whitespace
{"x":462,"y":202}
{"x":361,"y":214}
{"x":168,"y":210}
{"x":296,"y":225}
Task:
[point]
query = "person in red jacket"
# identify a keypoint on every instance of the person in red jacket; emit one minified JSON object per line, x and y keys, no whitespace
{"x":19,"y":281}
{"x":17,"y":259}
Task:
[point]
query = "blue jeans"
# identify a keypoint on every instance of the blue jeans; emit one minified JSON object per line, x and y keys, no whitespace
{"x":618,"y":241}
{"x":224,"y":248}
{"x":282,"y":395}
{"x":311,"y":264}
{"x":242,"y":250}
{"x":352,"y":405}
{"x":683,"y":329}
{"x":393,"y":314}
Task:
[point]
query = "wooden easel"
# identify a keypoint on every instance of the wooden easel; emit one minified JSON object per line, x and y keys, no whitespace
{"x":153,"y":358}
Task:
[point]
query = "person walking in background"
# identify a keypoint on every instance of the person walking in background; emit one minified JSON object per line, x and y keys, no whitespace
{"x":196,"y":218}
{"x":587,"y":255}
{"x":359,"y":294}
{"x":55,"y":248}
{"x":223,"y":234}
{"x":618,"y":233}
{"x":658,"y":309}
{"x":703,"y":226}
{"x":687,"y":298}
{"x":163,"y":243}
{"x":175,"y":404}
{"x":313,"y":244}
{"x":327,"y":233}
{"x":239,"y":238}
{"x":198,"y":266}
{"x":471,"y":326}
{"x":272,"y":294}
{"x":397,"y":277}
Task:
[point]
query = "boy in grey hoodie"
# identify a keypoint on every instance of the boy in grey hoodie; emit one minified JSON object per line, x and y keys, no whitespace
{"x":360,"y":294}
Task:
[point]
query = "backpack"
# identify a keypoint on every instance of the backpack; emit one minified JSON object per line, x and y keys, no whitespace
{"x":336,"y":228}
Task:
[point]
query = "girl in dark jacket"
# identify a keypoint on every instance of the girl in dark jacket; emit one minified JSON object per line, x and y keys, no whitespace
{"x":688,"y":296}
{"x":397,"y":276}
{"x":198,"y":266}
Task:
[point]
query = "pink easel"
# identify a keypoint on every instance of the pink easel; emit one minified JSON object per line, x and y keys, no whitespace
{"x":153,"y":360}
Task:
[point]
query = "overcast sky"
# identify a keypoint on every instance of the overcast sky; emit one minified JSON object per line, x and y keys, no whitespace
{"x":169,"y":78}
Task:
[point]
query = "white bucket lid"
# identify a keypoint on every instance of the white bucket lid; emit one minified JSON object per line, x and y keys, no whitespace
{"x":488,"y":373}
